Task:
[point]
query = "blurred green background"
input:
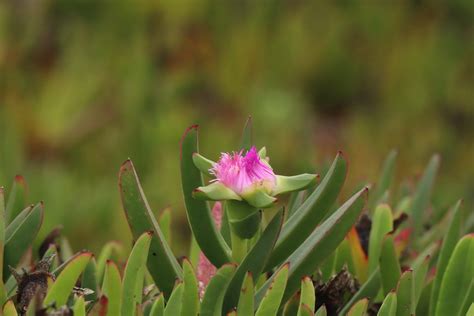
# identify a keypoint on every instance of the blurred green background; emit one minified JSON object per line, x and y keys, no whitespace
{"x":85,"y":84}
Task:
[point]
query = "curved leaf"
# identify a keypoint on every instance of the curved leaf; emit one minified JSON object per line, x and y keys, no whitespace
{"x":112,"y":288}
{"x":369,"y":289}
{"x":190,"y":300}
{"x":133,"y":274}
{"x":389,"y":305}
{"x":162,"y":264}
{"x":79,"y":308}
{"x":62,"y":287}
{"x":303,"y":221}
{"x":389,"y":265}
{"x":246,"y":299}
{"x":406,"y":294}
{"x":382,"y":224}
{"x":359,"y":308}
{"x":272,"y":300}
{"x":385,"y":179}
{"x":308,"y":297}
{"x":199,"y":216}
{"x":174,"y":304}
{"x":158,"y":307}
{"x":213,"y":299}
{"x":9,"y":309}
{"x":17,"y":198}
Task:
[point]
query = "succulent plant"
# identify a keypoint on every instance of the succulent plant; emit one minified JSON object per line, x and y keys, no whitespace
{"x":309,"y":256}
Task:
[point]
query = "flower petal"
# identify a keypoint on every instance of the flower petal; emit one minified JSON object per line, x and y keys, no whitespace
{"x":299,"y":182}
{"x":215,"y":191}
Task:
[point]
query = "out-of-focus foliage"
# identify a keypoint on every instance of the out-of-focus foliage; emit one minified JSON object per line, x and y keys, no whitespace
{"x":85,"y":84}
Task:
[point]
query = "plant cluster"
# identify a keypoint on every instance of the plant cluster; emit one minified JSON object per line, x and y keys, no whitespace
{"x":250,"y":255}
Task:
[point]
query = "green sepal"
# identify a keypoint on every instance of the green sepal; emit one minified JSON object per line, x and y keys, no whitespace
{"x":244,"y":219}
{"x":215,"y":191}
{"x":259,"y":198}
{"x":203,"y":164}
{"x":262,"y":153}
{"x":285,"y":184}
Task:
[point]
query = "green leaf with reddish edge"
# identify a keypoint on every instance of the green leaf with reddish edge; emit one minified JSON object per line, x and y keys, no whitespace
{"x":421,"y":198}
{"x":17,"y":198}
{"x":305,"y":310}
{"x":321,"y":311}
{"x":247,"y":135}
{"x":190,"y":299}
{"x":199,"y":215}
{"x":423,"y":306}
{"x":79,"y":308}
{"x":457,"y":286}
{"x":359,"y":258}
{"x":21,"y":238}
{"x":17,"y":221}
{"x":175,"y":303}
{"x":369,"y":289}
{"x":106,"y":254}
{"x":295,"y":201}
{"x":203,"y":164}
{"x":449,"y":242}
{"x":304,"y":220}
{"x":161,"y":264}
{"x":255,"y":260}
{"x":286,"y":184}
{"x":66,"y":280}
{"x":112,"y":288}
{"x":389,"y":266}
{"x":215,"y":191}
{"x":164,"y":220}
{"x":213,"y":299}
{"x":292,"y":305}
{"x":9,"y":309}
{"x":324,"y":240}
{"x":272,"y":298}
{"x":359,"y":308}
{"x":406,"y":294}
{"x":389,"y":305}
{"x":89,"y":279}
{"x":386,"y":176}
{"x":245,"y":306}
{"x":308,"y":297}
{"x":158,"y":307}
{"x":382,"y":224}
{"x":134,"y":273}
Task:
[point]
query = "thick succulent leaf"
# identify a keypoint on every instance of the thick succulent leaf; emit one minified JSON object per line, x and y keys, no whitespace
{"x":308,"y":297}
{"x":422,"y":195}
{"x":247,"y":135}
{"x":271,"y":302}
{"x":203,"y":164}
{"x":470,"y":311}
{"x":327,"y":267}
{"x":292,"y":305}
{"x":17,"y":198}
{"x":305,"y":310}
{"x":112,"y":288}
{"x":215,"y":191}
{"x":174,"y":304}
{"x":190,"y":301}
{"x":320,"y":243}
{"x":389,"y":305}
{"x":382,"y":224}
{"x":21,"y":237}
{"x":285,"y":184}
{"x":164,"y":220}
{"x":106,"y":254}
{"x":246,"y":299}
{"x":457,"y":286}
{"x":133,"y":274}
{"x":344,"y":257}
{"x":369,"y":289}
{"x":359,"y":257}
{"x":213,"y":299}
{"x":255,"y":260}
{"x":389,"y":265}
{"x":62,"y":287}
{"x":158,"y":307}
{"x":304,"y":220}
{"x":359,"y":308}
{"x":321,"y":311}
{"x":89,"y":279}
{"x":406,"y":294}
{"x":423,"y":306}
{"x":162,"y":264}
{"x":449,"y":242}
{"x":202,"y":225}
{"x":419,"y":275}
{"x":295,"y":201}
{"x":79,"y":308}
{"x":386,"y":176}
{"x":9,"y":309}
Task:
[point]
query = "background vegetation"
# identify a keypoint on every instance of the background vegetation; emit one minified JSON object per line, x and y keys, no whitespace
{"x":85,"y":84}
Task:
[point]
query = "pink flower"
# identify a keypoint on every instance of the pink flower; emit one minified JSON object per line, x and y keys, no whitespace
{"x":206,"y":270}
{"x":244,"y":172}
